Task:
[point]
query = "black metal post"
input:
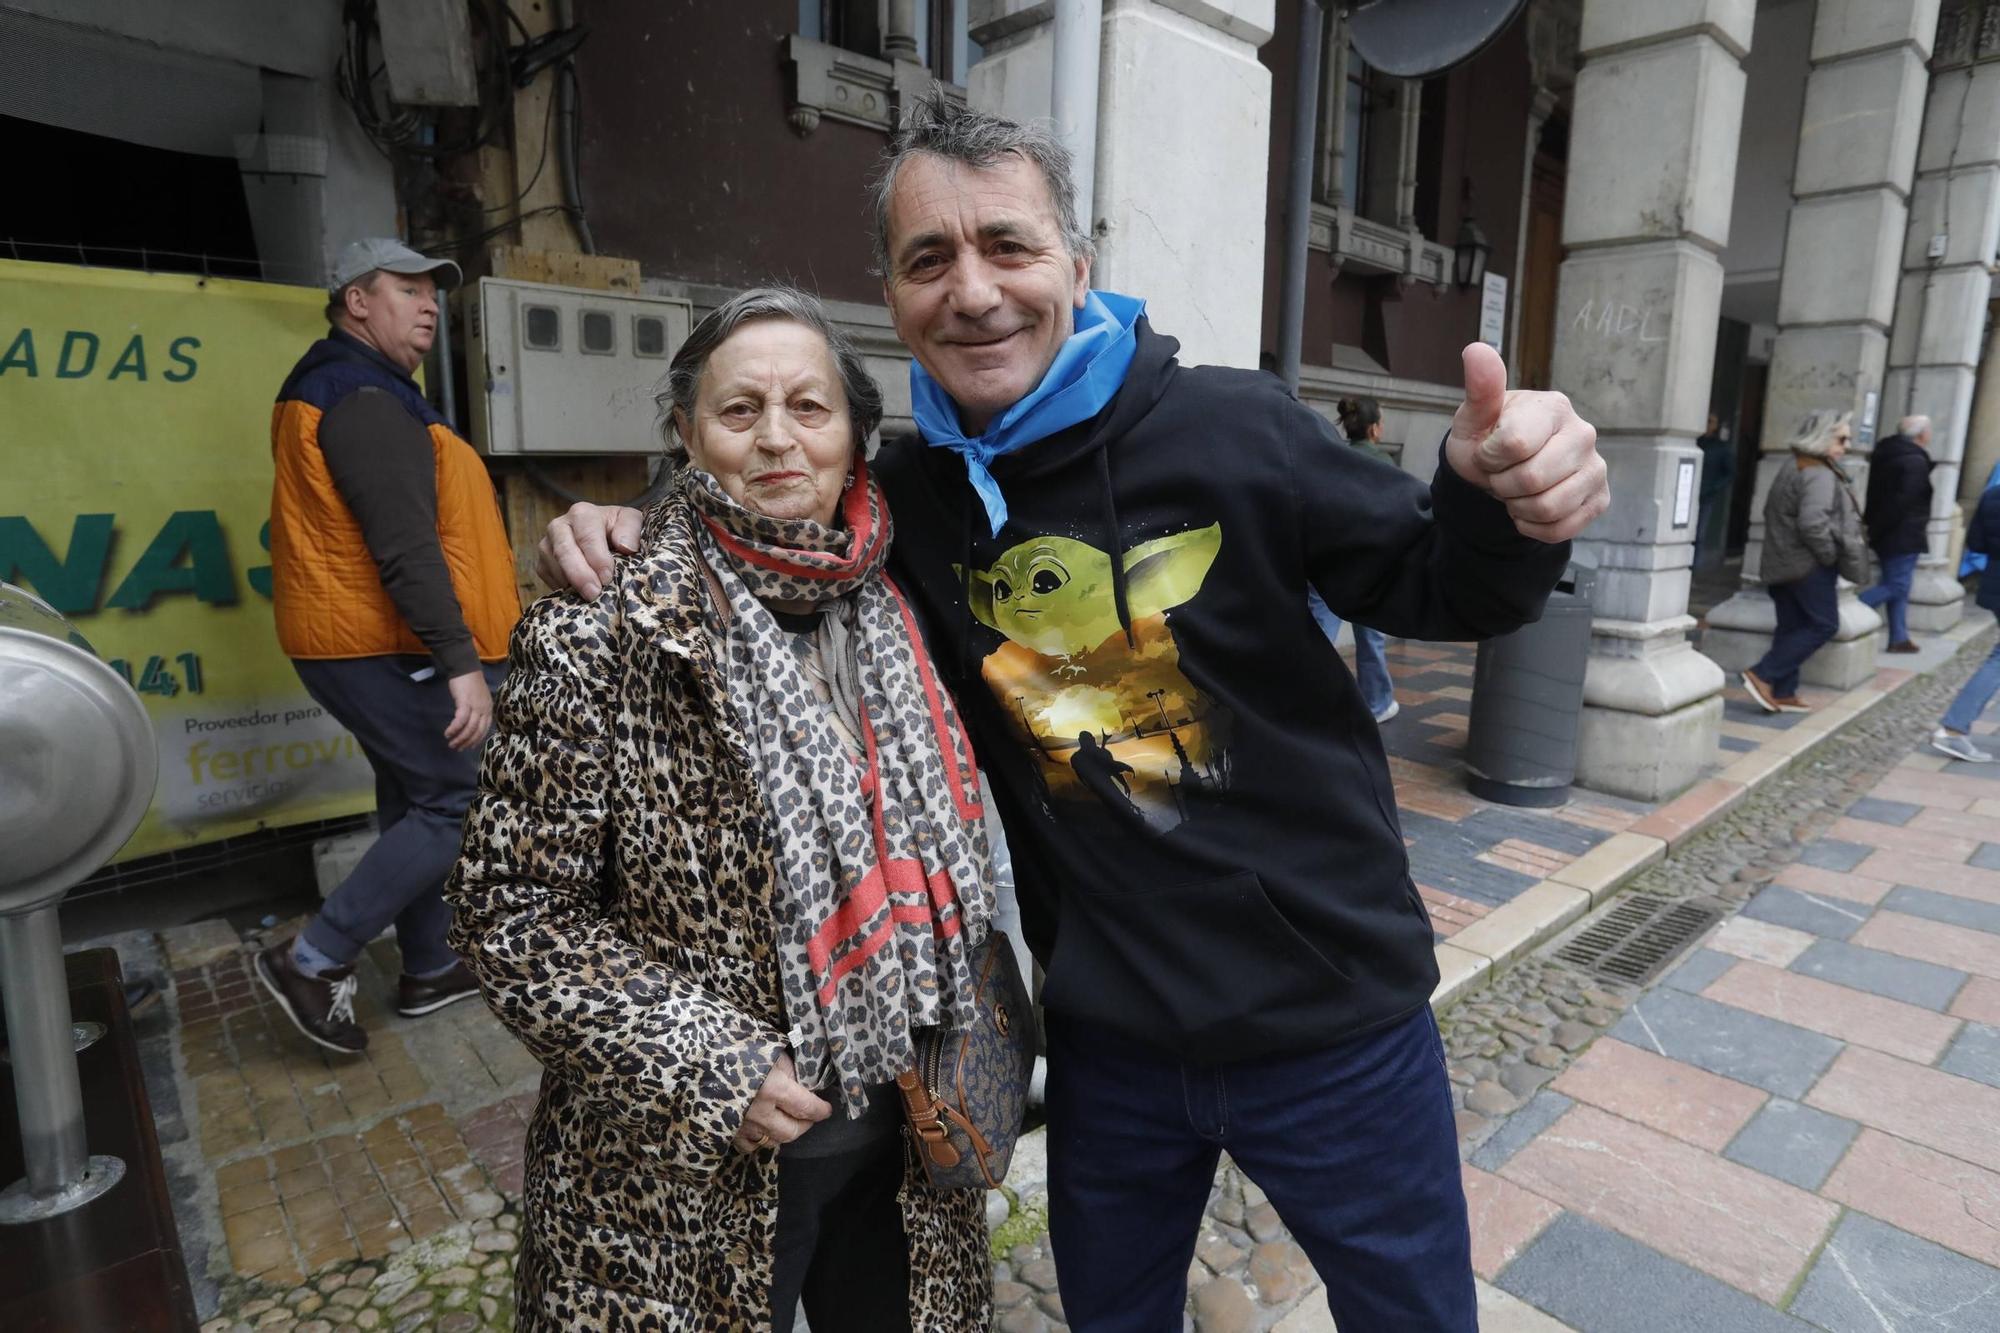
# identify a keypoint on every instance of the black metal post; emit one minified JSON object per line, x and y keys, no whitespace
{"x":1298,"y":193}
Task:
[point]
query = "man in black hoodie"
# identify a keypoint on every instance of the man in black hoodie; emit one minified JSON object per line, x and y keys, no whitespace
{"x":1110,"y":554}
{"x":1899,"y":508}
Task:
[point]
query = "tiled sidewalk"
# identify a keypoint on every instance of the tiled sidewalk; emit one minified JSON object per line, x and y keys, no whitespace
{"x":1800,"y":1127}
{"x":1498,"y":880}
{"x":318,"y":1160}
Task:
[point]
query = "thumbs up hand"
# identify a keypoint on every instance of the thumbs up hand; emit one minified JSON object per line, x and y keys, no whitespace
{"x":1528,"y":449}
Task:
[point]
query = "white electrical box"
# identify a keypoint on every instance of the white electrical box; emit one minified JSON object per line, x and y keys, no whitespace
{"x":567,"y":370}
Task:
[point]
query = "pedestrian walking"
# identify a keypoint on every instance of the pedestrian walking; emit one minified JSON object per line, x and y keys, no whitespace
{"x":1718,"y":475}
{"x":1361,"y":423}
{"x":393,"y":588}
{"x":1100,"y":540}
{"x":1812,"y":536}
{"x":1898,"y":510}
{"x":1954,"y":733}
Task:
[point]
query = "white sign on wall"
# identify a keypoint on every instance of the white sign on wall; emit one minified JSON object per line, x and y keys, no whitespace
{"x":1493,"y":311}
{"x":1684,"y":478}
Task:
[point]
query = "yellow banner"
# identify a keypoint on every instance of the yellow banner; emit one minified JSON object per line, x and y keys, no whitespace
{"x":135,"y":494}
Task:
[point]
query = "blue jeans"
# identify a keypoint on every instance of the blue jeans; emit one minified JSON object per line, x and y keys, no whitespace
{"x":1897,"y":573}
{"x":1978,"y":692}
{"x":1371,"y":657}
{"x":1808,"y":618}
{"x":1354,"y":1146}
{"x":423,"y":788}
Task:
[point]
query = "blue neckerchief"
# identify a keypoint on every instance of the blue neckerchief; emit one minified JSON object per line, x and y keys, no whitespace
{"x":1085,"y":375}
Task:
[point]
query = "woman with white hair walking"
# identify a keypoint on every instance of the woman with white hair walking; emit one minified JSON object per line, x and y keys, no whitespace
{"x":1812,"y":536}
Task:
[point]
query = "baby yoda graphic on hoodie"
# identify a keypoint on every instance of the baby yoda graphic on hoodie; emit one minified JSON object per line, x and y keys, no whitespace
{"x":1110,"y":716}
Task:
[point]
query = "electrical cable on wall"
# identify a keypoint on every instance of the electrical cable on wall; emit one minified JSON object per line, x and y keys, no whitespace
{"x":394,"y":128}
{"x":502,"y":70}
{"x":569,"y":92}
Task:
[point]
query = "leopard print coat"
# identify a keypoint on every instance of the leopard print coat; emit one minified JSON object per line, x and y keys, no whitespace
{"x":614,"y":898}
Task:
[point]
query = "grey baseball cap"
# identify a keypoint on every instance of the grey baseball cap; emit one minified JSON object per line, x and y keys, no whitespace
{"x":363,"y":257}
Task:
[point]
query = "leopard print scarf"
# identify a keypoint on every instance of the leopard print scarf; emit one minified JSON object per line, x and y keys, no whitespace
{"x":885,"y":887}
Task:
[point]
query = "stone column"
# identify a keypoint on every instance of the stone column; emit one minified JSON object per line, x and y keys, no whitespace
{"x":1652,"y":166}
{"x":1982,"y":440}
{"x":1183,"y":147}
{"x":1837,"y":291}
{"x":1936,"y":343}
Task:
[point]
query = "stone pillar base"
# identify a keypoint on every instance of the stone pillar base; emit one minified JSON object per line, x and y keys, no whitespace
{"x":1937,"y":600}
{"x":1739,"y":633}
{"x":1652,"y":707}
{"x":1647,"y":757}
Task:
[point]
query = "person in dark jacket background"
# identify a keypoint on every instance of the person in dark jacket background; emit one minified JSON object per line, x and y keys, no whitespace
{"x":1953,"y":735}
{"x":1098,"y":540}
{"x":1718,"y":475}
{"x":1899,"y":506}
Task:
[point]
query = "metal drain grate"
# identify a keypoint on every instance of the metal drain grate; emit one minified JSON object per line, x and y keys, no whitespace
{"x":1638,"y":937}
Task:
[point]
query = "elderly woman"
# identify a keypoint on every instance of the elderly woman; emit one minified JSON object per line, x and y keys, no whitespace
{"x":726,"y":859}
{"x":1812,"y":535}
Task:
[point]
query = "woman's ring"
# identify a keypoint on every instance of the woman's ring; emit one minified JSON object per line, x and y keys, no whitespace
{"x":753,"y":1134}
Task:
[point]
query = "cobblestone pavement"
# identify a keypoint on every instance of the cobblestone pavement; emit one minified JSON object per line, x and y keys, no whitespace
{"x":1795,"y":1128}
{"x":328,"y":1194}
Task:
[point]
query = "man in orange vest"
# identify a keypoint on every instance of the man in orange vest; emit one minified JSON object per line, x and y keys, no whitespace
{"x":393,"y":586}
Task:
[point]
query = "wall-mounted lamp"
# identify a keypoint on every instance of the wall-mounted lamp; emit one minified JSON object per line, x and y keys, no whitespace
{"x":1468,"y":257}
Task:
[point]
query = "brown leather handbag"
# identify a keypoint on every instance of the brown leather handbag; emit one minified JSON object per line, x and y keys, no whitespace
{"x":967,"y":1096}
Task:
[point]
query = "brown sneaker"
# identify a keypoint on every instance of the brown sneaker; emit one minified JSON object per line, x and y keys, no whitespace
{"x":322,"y":1007}
{"x":1904,"y":646}
{"x":1791,"y":703}
{"x":423,"y":995}
{"x":1760,"y":693}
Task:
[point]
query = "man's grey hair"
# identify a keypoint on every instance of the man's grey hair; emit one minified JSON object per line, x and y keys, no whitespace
{"x":1814,"y":437}
{"x":677,"y":392}
{"x":1913,"y":426}
{"x":945,"y":128}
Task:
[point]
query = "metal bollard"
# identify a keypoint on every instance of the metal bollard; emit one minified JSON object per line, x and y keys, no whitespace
{"x":78,"y":764}
{"x":1527,"y":701}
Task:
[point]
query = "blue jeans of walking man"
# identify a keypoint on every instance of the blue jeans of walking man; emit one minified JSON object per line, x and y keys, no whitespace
{"x":422,"y":791}
{"x":1371,"y":657}
{"x":1898,"y":571}
{"x":1976,"y":694}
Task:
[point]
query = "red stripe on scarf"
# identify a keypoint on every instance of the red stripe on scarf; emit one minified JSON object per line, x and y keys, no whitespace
{"x":969,"y":807}
{"x":898,"y":875}
{"x":867,"y":538}
{"x":871,"y":892}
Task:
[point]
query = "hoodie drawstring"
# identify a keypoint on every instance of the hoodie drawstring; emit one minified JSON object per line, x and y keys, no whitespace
{"x":965,"y":649}
{"x":1114,"y":545}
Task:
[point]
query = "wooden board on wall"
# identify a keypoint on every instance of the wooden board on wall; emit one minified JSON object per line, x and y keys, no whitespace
{"x":564,"y":268}
{"x":528,"y":502}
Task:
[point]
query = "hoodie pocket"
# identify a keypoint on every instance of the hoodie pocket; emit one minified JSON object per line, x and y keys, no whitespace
{"x":1186,"y":963}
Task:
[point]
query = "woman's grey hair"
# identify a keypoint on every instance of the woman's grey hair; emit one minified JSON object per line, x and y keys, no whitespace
{"x":955,"y":132}
{"x":1814,"y":437}
{"x":677,"y":392}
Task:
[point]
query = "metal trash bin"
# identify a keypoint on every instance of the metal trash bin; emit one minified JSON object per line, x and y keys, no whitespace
{"x":1527,"y":699}
{"x":78,"y":764}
